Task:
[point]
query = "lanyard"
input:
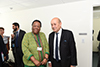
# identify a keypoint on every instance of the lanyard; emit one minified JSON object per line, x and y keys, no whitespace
{"x":35,"y":39}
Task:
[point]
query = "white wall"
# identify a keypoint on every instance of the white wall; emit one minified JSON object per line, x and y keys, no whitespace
{"x":96,"y":2}
{"x":76,"y":16}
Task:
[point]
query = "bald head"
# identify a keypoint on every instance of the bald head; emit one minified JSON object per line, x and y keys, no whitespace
{"x":56,"y":24}
{"x":57,"y":19}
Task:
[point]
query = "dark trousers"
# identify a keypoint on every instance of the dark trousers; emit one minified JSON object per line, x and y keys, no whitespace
{"x":1,"y":63}
{"x":17,"y":57}
{"x":99,"y":60}
{"x":56,"y":63}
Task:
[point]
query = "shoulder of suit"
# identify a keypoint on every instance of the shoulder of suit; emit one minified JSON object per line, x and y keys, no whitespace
{"x":51,"y":33}
{"x":22,"y":31}
{"x":0,"y":36}
{"x":66,"y":30}
{"x":63,"y":30}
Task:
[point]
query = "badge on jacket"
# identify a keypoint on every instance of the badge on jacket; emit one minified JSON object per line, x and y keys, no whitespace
{"x":39,"y":48}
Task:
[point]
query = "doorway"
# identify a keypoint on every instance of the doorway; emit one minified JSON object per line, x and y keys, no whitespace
{"x":96,"y":29}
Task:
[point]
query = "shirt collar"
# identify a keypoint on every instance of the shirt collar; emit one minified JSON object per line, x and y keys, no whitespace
{"x":59,"y":32}
{"x":18,"y":30}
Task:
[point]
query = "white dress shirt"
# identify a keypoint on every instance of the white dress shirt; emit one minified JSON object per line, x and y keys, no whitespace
{"x":59,"y":37}
{"x":18,"y":32}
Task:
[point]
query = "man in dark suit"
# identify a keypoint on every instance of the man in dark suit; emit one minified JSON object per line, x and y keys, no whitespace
{"x":2,"y":50}
{"x":62,"y":46}
{"x":17,"y":37}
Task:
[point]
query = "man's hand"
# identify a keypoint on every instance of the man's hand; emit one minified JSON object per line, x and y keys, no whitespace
{"x":72,"y":66}
{"x":4,"y":57}
{"x":49,"y":64}
{"x":12,"y":36}
{"x":44,"y":62}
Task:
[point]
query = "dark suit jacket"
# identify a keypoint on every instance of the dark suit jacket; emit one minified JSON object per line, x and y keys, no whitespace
{"x":2,"y":49}
{"x":98,"y":38}
{"x":20,"y":37}
{"x":67,"y":48}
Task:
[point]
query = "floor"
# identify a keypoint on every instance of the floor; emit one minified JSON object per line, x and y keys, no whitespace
{"x":95,"y":59}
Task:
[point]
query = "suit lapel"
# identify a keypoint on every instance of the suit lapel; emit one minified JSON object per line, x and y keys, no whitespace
{"x":19,"y":36}
{"x":62,"y":35}
{"x":52,"y":41}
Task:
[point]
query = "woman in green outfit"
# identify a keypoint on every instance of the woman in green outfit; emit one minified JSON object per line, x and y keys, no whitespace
{"x":35,"y":47}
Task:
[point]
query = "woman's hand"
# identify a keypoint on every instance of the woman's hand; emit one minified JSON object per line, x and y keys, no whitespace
{"x":45,"y":59}
{"x":44,"y":62}
{"x":36,"y":62}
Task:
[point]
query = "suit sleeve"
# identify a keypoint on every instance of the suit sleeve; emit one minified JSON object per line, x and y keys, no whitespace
{"x":2,"y":46}
{"x":49,"y":48}
{"x":73,"y":50}
{"x":98,"y":38}
{"x":23,"y":33}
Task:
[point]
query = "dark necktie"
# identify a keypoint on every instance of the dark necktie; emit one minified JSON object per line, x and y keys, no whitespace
{"x":56,"y":50}
{"x":16,"y":40}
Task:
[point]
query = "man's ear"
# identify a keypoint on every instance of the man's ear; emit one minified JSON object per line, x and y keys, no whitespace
{"x":60,"y":23}
{"x":17,"y":27}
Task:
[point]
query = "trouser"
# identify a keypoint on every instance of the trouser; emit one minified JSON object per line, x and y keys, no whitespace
{"x":56,"y":63}
{"x":1,"y":63}
{"x":99,"y":60}
{"x":18,"y":58}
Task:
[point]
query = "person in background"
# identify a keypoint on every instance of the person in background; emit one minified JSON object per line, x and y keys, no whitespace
{"x":62,"y":46}
{"x":16,"y":44}
{"x":35,"y":47}
{"x":2,"y":51}
{"x":98,"y":38}
{"x":6,"y":42}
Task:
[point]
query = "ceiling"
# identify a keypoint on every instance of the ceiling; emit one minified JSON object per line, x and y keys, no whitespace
{"x":14,"y":5}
